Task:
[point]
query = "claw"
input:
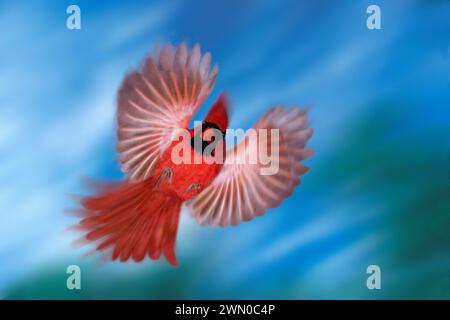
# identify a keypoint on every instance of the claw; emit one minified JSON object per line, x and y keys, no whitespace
{"x":167,"y":172}
{"x":193,"y":186}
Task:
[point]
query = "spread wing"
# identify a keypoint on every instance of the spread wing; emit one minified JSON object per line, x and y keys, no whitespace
{"x":157,"y":100}
{"x":241,"y":191}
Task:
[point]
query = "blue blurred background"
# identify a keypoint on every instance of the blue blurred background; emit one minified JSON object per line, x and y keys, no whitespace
{"x":378,"y":191}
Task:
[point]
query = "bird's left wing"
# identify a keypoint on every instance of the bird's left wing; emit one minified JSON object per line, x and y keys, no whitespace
{"x":157,"y":100}
{"x":241,"y":191}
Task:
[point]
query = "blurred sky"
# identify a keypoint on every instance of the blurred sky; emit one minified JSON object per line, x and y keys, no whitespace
{"x":381,"y":116}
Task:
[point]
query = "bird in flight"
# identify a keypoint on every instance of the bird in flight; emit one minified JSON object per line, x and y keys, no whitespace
{"x":138,"y":217}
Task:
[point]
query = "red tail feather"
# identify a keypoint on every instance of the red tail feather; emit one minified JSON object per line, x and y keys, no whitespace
{"x":134,"y":220}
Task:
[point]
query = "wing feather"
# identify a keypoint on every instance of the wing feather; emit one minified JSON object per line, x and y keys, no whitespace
{"x":157,"y":100}
{"x":240,"y":191}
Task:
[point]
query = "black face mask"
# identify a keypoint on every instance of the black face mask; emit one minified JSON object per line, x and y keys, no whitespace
{"x":204,"y":144}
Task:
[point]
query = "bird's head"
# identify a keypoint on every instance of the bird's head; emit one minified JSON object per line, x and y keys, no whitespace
{"x":214,"y":125}
{"x":218,"y":114}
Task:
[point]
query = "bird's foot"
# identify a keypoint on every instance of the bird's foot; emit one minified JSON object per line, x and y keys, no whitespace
{"x":167,"y":172}
{"x":193,"y":186}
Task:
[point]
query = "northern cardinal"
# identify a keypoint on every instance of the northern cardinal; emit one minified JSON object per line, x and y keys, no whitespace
{"x":139,"y":216}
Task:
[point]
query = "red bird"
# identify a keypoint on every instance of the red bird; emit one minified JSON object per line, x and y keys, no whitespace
{"x":139,"y":216}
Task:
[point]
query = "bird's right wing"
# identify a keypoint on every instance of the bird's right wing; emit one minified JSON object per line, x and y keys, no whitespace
{"x":241,"y":191}
{"x":156,"y":101}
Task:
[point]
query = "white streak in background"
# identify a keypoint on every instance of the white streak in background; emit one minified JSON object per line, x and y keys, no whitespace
{"x":340,"y":267}
{"x":329,"y":224}
{"x":44,"y":174}
{"x":198,"y":240}
{"x":337,"y":81}
{"x":49,"y":153}
{"x":121,"y":32}
{"x":72,"y":137}
{"x":10,"y":128}
{"x":316,"y":82}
